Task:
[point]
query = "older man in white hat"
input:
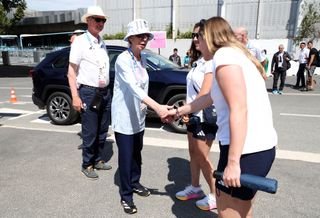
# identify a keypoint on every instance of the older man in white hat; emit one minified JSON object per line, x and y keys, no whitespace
{"x":88,"y":76}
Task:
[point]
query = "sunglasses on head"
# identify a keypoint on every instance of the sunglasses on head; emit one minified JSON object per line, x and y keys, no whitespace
{"x":98,"y":19}
{"x":201,"y":23}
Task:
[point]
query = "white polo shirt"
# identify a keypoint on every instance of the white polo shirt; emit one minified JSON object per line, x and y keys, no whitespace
{"x":303,"y":56}
{"x":261,"y":134}
{"x":90,"y":55}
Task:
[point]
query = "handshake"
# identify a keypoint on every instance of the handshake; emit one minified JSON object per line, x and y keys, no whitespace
{"x":169,"y":114}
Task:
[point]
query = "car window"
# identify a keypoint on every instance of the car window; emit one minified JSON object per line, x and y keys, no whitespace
{"x":113,"y":55}
{"x":61,"y":61}
{"x":160,"y":62}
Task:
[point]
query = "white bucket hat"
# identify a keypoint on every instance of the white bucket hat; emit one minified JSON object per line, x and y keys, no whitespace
{"x":136,"y":27}
{"x":93,"y":11}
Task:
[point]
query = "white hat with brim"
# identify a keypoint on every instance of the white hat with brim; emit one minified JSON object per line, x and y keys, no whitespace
{"x":136,"y":27}
{"x":93,"y":11}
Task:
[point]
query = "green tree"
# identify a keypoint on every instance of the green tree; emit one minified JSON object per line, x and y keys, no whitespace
{"x":309,"y":27}
{"x":16,"y":7}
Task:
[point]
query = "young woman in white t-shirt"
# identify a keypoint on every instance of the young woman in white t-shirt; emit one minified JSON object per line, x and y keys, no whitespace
{"x":200,"y":133}
{"x":246,"y":134}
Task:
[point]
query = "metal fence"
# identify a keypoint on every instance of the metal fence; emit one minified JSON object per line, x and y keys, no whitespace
{"x":22,"y":57}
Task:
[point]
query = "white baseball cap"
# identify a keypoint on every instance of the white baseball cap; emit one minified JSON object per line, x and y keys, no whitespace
{"x":93,"y":11}
{"x":136,"y":27}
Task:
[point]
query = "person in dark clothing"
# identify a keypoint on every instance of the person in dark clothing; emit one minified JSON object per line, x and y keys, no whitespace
{"x":303,"y":58}
{"x":311,"y":66}
{"x":175,"y":58}
{"x":280,"y":64}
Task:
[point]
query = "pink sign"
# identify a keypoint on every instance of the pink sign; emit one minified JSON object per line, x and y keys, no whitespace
{"x":159,"y":40}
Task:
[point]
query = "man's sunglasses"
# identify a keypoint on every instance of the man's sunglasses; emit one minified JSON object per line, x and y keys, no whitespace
{"x":98,"y":19}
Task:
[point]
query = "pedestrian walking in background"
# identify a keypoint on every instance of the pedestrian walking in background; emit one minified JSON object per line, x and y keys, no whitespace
{"x":129,"y":107}
{"x":303,"y":59}
{"x":175,"y":58}
{"x":311,"y":66}
{"x":88,"y":76}
{"x":200,"y":133}
{"x":246,"y":134}
{"x":186,"y":60}
{"x":241,"y":34}
{"x":279,"y":65}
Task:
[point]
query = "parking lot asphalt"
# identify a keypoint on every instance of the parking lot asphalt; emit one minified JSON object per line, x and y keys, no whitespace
{"x":42,"y":178}
{"x":41,"y":166}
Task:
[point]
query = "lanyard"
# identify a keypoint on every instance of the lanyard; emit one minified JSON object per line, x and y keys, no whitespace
{"x":102,"y":64}
{"x":136,"y":67}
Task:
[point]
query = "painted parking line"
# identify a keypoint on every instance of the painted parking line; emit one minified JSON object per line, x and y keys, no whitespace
{"x":297,"y":94}
{"x":300,"y":115}
{"x":14,"y":111}
{"x":40,"y":129}
{"x":302,"y":94}
{"x":183,"y":144}
{"x":16,"y":88}
{"x":280,"y":154}
{"x":26,"y":114}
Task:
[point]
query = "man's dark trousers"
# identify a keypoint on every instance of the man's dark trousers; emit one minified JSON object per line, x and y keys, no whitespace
{"x":282,"y":73}
{"x":95,"y":125}
{"x":300,"y":76}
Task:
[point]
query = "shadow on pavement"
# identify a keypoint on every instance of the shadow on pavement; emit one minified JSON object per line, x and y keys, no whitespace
{"x":179,"y":174}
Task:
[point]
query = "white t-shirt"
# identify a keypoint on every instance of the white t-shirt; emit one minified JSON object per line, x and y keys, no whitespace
{"x":261,"y":134}
{"x":91,"y":56}
{"x":303,"y":56}
{"x":195,"y":79}
{"x":280,"y":59}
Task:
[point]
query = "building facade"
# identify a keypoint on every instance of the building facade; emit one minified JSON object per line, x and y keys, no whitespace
{"x":264,"y":19}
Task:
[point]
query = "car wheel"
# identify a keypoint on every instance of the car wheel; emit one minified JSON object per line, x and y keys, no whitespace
{"x":60,"y":109}
{"x":177,"y":101}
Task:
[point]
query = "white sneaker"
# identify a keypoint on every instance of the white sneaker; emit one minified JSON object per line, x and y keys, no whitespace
{"x":190,"y":192}
{"x":207,"y":203}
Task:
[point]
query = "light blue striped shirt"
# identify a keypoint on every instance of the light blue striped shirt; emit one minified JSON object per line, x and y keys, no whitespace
{"x":130,"y":88}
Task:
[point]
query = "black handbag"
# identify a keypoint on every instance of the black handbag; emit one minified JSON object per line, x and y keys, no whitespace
{"x":209,"y":113}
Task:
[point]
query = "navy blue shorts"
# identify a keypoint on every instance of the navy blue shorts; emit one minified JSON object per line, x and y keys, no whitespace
{"x":258,"y":164}
{"x":202,"y":131}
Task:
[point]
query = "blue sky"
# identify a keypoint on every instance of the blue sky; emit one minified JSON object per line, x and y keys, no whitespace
{"x":56,"y":5}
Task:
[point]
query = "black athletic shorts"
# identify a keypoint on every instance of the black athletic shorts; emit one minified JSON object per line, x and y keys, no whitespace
{"x":258,"y":164}
{"x":202,"y":131}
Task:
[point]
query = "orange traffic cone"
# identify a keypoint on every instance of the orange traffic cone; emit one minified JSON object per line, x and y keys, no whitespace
{"x":13,"y":98}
